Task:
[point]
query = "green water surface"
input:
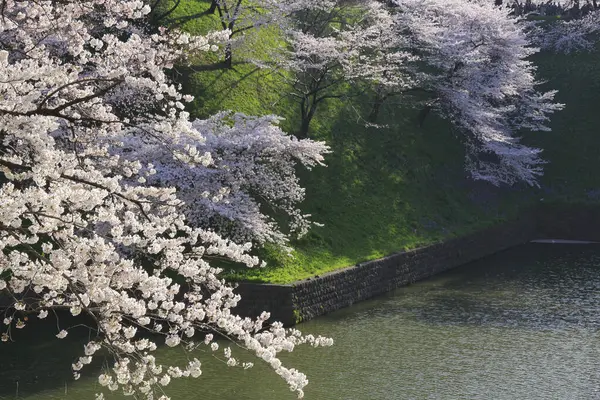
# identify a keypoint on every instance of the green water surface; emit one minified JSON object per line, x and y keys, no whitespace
{"x":523,"y":324}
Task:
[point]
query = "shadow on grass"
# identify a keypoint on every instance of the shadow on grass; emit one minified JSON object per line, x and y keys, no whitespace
{"x":385,"y":190}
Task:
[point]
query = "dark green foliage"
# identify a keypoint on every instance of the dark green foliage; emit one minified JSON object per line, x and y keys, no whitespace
{"x":573,"y":147}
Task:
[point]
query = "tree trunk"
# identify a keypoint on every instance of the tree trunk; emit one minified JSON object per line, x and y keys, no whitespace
{"x":423,"y":114}
{"x":303,"y":133}
{"x":213,"y":7}
{"x":228,"y":56}
{"x":307,"y":112}
{"x":375,"y":110}
{"x":576,"y":9}
{"x":379,"y":99}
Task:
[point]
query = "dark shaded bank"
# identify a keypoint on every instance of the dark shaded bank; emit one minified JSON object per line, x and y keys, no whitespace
{"x":309,"y":298}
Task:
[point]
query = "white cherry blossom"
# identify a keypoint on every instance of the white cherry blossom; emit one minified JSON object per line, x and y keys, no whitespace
{"x":101,"y":175}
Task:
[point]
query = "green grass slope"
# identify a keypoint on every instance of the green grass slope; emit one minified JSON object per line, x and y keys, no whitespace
{"x":386,"y":190}
{"x":401,"y":186}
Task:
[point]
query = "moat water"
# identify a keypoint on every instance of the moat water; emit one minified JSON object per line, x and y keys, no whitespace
{"x":523,"y":324}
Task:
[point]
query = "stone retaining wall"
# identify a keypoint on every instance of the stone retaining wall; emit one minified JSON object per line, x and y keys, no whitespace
{"x":306,"y":299}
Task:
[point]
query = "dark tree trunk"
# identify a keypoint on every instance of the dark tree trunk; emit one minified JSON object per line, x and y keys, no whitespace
{"x":305,"y":125}
{"x":228,"y":56}
{"x":374,"y":114}
{"x":423,"y":114}
{"x":213,"y":7}
{"x":307,"y":112}
{"x":380,"y":97}
{"x":576,"y":9}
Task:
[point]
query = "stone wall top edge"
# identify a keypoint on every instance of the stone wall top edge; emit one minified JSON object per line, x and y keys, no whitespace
{"x":437,"y":246}
{"x":250,"y":284}
{"x":528,"y":214}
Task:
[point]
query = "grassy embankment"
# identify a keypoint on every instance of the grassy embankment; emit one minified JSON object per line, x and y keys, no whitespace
{"x":399,"y":187}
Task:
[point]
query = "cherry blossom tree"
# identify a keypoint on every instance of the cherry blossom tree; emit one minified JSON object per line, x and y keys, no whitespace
{"x":113,"y":203}
{"x":469,"y":59}
{"x":385,"y":59}
{"x":571,"y":8}
{"x":246,"y":162}
{"x":567,"y":36}
{"x":477,"y":68}
{"x":335,"y":48}
{"x":562,"y":26}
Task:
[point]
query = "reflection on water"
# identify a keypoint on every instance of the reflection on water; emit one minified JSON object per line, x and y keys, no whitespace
{"x":523,"y":324}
